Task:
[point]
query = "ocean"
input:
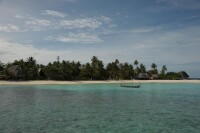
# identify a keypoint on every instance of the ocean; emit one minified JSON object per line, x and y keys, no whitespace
{"x":100,"y":108}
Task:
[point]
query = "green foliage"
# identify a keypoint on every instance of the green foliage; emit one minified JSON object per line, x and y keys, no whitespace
{"x":142,"y":68}
{"x":173,"y":76}
{"x":71,"y":70}
{"x":164,"y":69}
{"x":136,"y":62}
{"x":53,"y":71}
{"x":98,"y":71}
{"x":154,"y":68}
{"x":29,"y":68}
{"x":2,"y":71}
{"x":1,"y":66}
{"x":126,"y":71}
{"x":85,"y":72}
{"x":113,"y":70}
{"x":137,"y":69}
{"x":62,"y":71}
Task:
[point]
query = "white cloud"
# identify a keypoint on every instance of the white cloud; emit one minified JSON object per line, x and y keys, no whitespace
{"x":19,"y":16}
{"x":53,"y":13}
{"x":11,"y":51}
{"x":81,"y":23}
{"x":185,"y":4}
{"x":147,"y":29}
{"x":9,"y":28}
{"x":144,"y":30}
{"x":38,"y":24}
{"x":129,"y":31}
{"x":171,"y":47}
{"x":76,"y":38}
{"x":68,"y":0}
{"x":35,"y":24}
{"x":91,"y":23}
{"x":140,"y":30}
{"x":104,"y":19}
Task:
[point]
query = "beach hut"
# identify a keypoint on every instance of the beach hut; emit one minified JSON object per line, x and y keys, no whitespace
{"x":15,"y":71}
{"x":143,"y":76}
{"x":184,"y":75}
{"x":2,"y":76}
{"x":154,"y":76}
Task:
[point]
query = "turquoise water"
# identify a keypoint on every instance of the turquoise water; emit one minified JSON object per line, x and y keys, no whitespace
{"x":153,"y":108}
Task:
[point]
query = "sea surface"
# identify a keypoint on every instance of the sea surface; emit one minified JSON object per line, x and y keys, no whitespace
{"x":100,"y":108}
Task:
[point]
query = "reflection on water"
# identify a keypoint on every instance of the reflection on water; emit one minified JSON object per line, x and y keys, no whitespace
{"x":100,"y":108}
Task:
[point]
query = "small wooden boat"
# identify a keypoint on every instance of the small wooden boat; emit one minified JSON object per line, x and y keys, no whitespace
{"x":130,"y":86}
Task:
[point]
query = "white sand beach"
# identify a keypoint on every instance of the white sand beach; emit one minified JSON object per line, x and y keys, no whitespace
{"x":48,"y":82}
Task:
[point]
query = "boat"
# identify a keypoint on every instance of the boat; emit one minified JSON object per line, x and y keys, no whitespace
{"x":130,"y":86}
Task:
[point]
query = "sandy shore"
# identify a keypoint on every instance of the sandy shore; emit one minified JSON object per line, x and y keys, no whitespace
{"x":47,"y":82}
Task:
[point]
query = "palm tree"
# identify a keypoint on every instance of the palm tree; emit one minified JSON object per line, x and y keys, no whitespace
{"x":164,"y":69}
{"x":142,"y":68}
{"x":85,"y":72}
{"x":136,"y":62}
{"x":31,"y":60}
{"x":126,"y":71}
{"x":136,"y":67}
{"x":154,"y":68}
{"x":113,"y":69}
{"x":31,"y":68}
{"x":98,"y":71}
{"x":1,"y":66}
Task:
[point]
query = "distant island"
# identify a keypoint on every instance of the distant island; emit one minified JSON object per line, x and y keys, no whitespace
{"x":95,"y":70}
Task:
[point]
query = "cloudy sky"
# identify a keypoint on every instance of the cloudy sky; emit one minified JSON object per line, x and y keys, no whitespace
{"x":166,"y":32}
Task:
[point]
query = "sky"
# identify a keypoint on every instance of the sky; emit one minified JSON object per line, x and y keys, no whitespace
{"x":164,"y":32}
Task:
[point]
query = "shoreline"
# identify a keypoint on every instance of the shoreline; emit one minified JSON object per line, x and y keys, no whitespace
{"x":53,"y":82}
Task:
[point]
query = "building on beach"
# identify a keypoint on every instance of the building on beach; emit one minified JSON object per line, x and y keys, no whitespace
{"x":143,"y":76}
{"x":184,"y":75}
{"x":15,"y":72}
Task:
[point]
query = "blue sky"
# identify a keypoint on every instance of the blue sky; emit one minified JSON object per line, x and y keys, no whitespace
{"x":166,"y":32}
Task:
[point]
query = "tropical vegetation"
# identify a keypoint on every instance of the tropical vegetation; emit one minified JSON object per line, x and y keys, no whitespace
{"x":94,"y":70}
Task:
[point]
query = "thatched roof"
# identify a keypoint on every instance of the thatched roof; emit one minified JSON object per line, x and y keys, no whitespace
{"x":154,"y":76}
{"x":1,"y":75}
{"x":15,"y":71}
{"x":184,"y":74}
{"x":143,"y":76}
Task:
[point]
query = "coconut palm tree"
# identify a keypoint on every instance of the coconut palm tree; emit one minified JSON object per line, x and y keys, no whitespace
{"x":98,"y":71}
{"x":136,"y":71}
{"x":164,"y":69}
{"x":154,"y":68}
{"x":85,"y":72}
{"x":136,"y":62}
{"x":1,"y":66}
{"x":113,"y":70}
{"x":142,"y":68}
{"x":126,"y":71}
{"x":31,"y":68}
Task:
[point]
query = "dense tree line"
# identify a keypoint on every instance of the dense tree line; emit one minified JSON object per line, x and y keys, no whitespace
{"x":94,"y":70}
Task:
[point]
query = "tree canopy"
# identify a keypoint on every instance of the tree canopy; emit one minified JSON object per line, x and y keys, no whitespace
{"x":94,"y":70}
